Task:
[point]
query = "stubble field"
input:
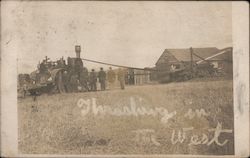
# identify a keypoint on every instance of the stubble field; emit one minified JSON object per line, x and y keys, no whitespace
{"x":138,"y":120}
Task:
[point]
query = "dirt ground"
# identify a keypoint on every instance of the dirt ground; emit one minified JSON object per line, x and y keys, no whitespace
{"x":57,"y":124}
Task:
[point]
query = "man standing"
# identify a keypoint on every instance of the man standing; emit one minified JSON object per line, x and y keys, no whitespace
{"x":121,"y":78}
{"x":111,"y":77}
{"x":84,"y":79}
{"x":102,"y":78}
{"x":92,"y":80}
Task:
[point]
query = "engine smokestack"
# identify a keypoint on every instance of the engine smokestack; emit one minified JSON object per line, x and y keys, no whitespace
{"x":78,"y":51}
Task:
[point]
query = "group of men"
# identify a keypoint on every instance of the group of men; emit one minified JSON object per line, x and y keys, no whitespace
{"x":88,"y":81}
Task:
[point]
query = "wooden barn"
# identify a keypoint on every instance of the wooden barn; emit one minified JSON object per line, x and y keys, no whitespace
{"x":174,"y":59}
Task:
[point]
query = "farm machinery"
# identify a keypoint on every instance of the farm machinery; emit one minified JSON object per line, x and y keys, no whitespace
{"x":52,"y":76}
{"x":188,"y":70}
{"x":185,"y":73}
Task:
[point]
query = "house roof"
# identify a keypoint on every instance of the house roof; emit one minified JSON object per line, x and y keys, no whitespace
{"x":175,"y":55}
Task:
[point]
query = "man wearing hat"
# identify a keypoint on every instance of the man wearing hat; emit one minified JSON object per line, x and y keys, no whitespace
{"x":102,"y":79}
{"x":92,"y":80}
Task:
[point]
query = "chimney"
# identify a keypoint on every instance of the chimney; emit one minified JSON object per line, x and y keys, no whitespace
{"x":78,"y":51}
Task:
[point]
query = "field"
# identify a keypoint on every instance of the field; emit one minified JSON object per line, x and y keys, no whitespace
{"x":144,"y":119}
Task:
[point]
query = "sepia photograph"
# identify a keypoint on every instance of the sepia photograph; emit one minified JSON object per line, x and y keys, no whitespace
{"x":127,"y":78}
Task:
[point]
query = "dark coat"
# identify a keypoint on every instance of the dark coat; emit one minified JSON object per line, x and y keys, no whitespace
{"x":102,"y":76}
{"x":92,"y":77}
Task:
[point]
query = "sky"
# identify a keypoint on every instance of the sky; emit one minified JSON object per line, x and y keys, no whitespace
{"x":125,"y":33}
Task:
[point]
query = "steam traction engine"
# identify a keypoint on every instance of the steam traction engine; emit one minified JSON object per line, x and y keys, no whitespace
{"x":54,"y":76}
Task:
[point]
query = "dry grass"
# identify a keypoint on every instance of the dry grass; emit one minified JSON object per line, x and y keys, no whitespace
{"x":54,"y":124}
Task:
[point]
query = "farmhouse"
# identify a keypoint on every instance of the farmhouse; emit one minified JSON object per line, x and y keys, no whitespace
{"x":178,"y":58}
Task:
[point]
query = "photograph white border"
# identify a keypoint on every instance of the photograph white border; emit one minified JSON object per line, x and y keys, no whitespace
{"x":9,"y":122}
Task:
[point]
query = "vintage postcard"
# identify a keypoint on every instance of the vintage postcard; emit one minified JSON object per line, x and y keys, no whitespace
{"x":124,"y":79}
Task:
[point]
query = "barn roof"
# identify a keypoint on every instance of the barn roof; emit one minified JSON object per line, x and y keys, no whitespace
{"x":175,"y":55}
